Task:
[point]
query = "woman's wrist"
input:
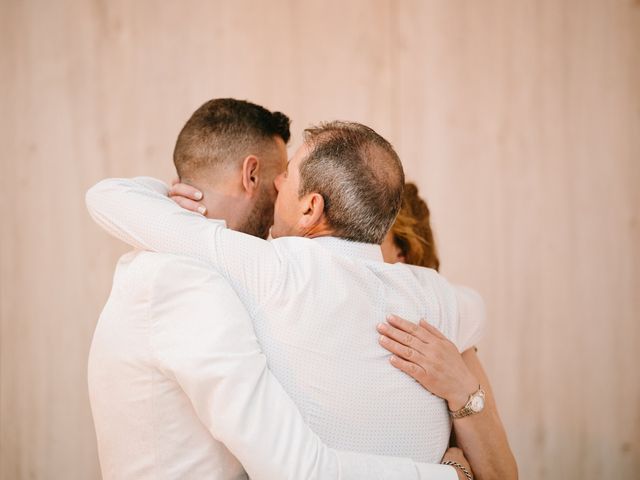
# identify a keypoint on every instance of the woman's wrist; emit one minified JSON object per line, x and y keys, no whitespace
{"x":459,"y":398}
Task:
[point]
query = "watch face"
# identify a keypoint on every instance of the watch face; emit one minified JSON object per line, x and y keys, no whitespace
{"x":477,"y":403}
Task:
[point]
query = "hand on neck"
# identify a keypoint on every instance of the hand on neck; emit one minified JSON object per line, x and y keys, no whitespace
{"x":224,"y":203}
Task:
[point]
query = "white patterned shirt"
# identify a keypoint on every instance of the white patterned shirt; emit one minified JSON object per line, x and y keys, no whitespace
{"x":314,"y":304}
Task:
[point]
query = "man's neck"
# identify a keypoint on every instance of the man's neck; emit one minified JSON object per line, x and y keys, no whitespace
{"x":325,"y":231}
{"x":320,"y":230}
{"x":223,"y":203}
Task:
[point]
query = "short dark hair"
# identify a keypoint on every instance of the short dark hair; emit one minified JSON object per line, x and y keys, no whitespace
{"x":358,"y":174}
{"x":226,"y":130}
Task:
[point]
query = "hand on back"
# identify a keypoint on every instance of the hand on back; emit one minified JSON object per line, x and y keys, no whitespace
{"x":423,"y":353}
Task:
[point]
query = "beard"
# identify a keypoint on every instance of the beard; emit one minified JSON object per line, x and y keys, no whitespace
{"x":260,"y":218}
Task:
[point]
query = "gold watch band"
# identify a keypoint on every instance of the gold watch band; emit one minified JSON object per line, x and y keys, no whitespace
{"x":467,"y":410}
{"x":463,"y":412}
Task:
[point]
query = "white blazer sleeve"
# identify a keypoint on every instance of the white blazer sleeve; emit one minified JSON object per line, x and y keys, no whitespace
{"x":138,"y":212}
{"x":203,"y":338}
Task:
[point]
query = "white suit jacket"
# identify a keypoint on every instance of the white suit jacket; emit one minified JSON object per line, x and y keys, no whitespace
{"x":180,"y":388}
{"x":314,"y":305}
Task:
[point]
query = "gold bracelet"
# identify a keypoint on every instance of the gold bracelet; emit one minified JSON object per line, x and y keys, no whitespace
{"x":462,"y":469}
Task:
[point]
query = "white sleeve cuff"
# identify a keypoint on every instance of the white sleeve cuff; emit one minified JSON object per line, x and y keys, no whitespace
{"x":360,"y":466}
{"x":430,"y":471}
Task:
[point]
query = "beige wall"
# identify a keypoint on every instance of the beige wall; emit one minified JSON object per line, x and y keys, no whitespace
{"x":519,"y":119}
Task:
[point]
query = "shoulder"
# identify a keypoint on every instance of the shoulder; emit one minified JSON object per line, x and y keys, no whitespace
{"x":168,"y":272}
{"x":421,"y":272}
{"x":470,"y":303}
{"x":292,"y":244}
{"x":154,"y":262}
{"x":472,"y":316}
{"x":178,"y":286}
{"x":463,"y":303}
{"x":297,"y":250}
{"x":427,"y":277}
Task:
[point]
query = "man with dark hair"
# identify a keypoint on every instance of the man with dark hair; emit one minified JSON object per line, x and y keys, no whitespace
{"x":225,"y":135}
{"x":221,"y":131}
{"x":179,"y":386}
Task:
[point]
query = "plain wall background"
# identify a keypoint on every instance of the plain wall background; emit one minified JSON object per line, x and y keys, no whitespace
{"x":519,"y":120}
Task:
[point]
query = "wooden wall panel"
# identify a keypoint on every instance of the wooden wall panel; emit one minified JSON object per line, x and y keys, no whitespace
{"x":520,"y":121}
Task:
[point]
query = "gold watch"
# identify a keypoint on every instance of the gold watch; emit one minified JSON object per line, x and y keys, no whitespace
{"x":474,"y":405}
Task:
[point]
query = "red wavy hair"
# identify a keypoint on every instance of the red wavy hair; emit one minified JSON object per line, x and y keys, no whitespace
{"x":412,"y":230}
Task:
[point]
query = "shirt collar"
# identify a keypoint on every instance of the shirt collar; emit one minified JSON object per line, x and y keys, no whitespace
{"x":347,"y":248}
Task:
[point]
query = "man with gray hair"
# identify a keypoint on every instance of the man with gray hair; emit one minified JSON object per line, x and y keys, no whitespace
{"x":350,"y":175}
{"x":316,"y":292}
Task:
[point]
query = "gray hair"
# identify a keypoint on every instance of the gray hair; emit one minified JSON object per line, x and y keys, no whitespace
{"x":358,"y":174}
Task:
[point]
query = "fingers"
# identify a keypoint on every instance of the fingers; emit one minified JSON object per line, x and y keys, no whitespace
{"x":410,"y":328}
{"x":187,"y":197}
{"x":431,"y":329}
{"x":413,"y":370}
{"x":184,"y":190}
{"x":174,"y":181}
{"x":399,"y":349}
{"x":402,"y":337}
{"x":190,"y":205}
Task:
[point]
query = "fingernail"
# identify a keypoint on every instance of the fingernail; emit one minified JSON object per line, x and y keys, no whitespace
{"x":389,"y":317}
{"x":197,"y":195}
{"x":202,"y":210}
{"x":382,"y":338}
{"x":381,"y":326}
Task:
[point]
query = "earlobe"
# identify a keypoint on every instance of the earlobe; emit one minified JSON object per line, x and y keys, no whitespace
{"x":400,"y":256}
{"x":313,"y":211}
{"x":250,"y":174}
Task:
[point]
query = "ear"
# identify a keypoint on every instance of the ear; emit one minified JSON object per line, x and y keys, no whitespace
{"x":400,"y":257}
{"x":313,"y":211}
{"x":250,"y":174}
